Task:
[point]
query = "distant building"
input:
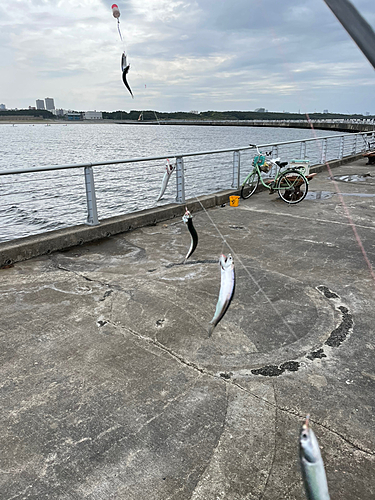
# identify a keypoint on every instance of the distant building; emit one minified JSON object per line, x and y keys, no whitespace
{"x":325,"y":111}
{"x":261,"y":110}
{"x":49,"y":103}
{"x":32,"y":107}
{"x":40,"y":104}
{"x":2,"y":107}
{"x":73,"y":115}
{"x":93,"y":115}
{"x":58,"y":112}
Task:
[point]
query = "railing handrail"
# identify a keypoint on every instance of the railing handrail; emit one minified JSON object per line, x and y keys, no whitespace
{"x":174,"y":155}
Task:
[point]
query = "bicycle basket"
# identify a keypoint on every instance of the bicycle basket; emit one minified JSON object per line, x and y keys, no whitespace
{"x":265,"y":167}
{"x":260,"y":161}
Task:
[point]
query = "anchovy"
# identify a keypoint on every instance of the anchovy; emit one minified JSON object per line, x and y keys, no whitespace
{"x":125,"y":69}
{"x":313,"y":473}
{"x":187,"y":218}
{"x":228,"y":284}
{"x":169,"y":170}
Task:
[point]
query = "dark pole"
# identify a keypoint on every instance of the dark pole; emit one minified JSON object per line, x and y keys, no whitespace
{"x":356,"y":26}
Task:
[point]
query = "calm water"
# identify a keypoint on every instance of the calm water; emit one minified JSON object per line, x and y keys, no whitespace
{"x":39,"y":202}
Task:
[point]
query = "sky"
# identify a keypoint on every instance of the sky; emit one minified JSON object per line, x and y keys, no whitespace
{"x":184,"y":55}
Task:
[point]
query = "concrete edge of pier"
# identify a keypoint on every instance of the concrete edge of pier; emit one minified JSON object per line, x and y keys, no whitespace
{"x":26,"y":248}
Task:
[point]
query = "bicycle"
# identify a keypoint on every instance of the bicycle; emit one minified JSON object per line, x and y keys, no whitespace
{"x":290,"y":184}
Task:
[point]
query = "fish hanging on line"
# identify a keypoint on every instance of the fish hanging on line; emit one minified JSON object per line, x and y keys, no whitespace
{"x":227,"y":287}
{"x":124,"y":64}
{"x":125,"y":69}
{"x":313,"y":473}
{"x":169,"y":169}
{"x":187,"y":218}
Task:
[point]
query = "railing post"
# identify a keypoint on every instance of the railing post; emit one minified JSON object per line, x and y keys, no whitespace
{"x":341,"y":151}
{"x":302,"y":152}
{"x":236,"y":170}
{"x":355,"y":145}
{"x":324,"y":151}
{"x":180,"y":179}
{"x":92,"y":212}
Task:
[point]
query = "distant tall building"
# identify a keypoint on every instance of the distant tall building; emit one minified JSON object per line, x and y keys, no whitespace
{"x":49,"y":103}
{"x":2,"y":107}
{"x":40,"y":104}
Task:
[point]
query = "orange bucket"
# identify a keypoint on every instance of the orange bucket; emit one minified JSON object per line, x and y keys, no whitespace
{"x":233,"y":201}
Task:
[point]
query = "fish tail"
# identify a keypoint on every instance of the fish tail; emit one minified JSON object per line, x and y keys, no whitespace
{"x":210,"y":329}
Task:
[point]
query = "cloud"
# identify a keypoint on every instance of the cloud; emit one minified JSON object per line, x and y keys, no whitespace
{"x":198,"y":54}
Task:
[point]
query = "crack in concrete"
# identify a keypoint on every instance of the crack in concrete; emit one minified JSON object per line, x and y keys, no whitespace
{"x":233,"y":382}
{"x":261,"y":496}
{"x":216,"y":446}
{"x":324,"y":290}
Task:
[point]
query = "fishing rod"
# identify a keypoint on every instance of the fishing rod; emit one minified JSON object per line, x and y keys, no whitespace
{"x":357,"y":27}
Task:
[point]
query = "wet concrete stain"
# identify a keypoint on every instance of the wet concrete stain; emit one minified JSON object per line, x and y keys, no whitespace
{"x":106,"y":294}
{"x":319,"y":195}
{"x":337,"y":336}
{"x":319,"y":354}
{"x":341,"y":332}
{"x":324,"y":195}
{"x":359,"y":195}
{"x":327,"y":292}
{"x":351,"y":177}
{"x":275,"y":371}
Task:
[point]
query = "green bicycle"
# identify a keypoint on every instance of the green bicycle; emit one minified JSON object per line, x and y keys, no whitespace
{"x":290,"y":184}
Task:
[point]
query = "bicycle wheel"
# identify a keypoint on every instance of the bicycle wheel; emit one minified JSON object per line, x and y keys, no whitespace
{"x":292,"y":186}
{"x":250,"y":185}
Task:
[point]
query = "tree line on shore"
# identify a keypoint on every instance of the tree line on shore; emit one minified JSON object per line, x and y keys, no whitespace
{"x":150,"y":115}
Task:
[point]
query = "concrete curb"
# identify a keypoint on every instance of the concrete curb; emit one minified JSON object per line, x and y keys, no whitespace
{"x":43,"y":244}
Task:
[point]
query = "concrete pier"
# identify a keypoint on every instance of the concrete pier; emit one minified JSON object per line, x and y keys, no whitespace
{"x":111,"y":389}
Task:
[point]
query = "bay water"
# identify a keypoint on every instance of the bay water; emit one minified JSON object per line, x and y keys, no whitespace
{"x":33,"y":203}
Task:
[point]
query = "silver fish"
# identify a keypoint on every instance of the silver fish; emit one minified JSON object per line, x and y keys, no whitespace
{"x":313,"y":473}
{"x":125,"y":69}
{"x":227,"y":286}
{"x":187,"y":218}
{"x":169,"y":171}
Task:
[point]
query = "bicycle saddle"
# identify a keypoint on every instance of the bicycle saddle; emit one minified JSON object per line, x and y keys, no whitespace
{"x":282,"y":163}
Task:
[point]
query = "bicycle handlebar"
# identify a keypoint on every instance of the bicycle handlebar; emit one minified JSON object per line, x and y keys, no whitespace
{"x":259,"y":152}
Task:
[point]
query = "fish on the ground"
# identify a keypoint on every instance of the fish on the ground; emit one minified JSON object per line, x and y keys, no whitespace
{"x":125,"y":69}
{"x":187,"y":218}
{"x":227,"y":287}
{"x":169,"y":169}
{"x":313,"y":473}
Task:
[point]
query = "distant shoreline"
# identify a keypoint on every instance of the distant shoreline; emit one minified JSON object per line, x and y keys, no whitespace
{"x":333,"y":125}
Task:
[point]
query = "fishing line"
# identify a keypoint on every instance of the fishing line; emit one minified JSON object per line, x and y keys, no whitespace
{"x":225,"y":242}
{"x":346,"y":209}
{"x":337,"y":188}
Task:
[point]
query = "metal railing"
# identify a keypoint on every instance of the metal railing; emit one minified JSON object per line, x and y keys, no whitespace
{"x":58,"y":200}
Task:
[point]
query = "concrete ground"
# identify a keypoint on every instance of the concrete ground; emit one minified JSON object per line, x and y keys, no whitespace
{"x":111,"y":389}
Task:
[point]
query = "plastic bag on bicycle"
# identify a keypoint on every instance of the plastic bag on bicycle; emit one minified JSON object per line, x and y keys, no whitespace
{"x":260,"y":160}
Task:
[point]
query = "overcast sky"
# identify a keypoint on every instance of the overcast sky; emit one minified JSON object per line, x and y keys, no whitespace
{"x":184,"y":54}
